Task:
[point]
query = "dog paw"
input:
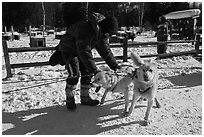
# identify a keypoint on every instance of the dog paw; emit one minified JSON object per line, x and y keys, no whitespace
{"x":101,"y":103}
{"x":146,"y":122}
{"x":158,"y":106}
{"x":125,"y":114}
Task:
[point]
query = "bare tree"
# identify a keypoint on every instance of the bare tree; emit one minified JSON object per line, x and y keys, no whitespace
{"x":43,"y":9}
{"x":87,"y":10}
{"x":141,"y":10}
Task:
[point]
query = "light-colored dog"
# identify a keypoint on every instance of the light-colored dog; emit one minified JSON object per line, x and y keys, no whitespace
{"x":145,"y":81}
{"x":115,"y":82}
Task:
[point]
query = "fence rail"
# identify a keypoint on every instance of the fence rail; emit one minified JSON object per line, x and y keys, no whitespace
{"x":30,"y":49}
{"x":123,"y":45}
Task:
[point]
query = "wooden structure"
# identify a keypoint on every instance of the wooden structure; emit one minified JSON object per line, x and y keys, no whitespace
{"x":183,"y":24}
{"x":123,"y":45}
{"x":6,"y":36}
{"x":191,"y":13}
{"x":36,"y":41}
{"x":10,"y":35}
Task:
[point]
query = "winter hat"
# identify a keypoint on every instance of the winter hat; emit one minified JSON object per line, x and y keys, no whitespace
{"x":109,"y":25}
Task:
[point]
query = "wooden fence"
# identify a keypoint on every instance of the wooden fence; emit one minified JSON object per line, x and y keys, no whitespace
{"x":123,"y":45}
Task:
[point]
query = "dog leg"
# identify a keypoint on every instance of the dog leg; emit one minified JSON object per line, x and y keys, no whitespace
{"x":149,"y":106}
{"x":104,"y":96}
{"x":126,"y":95}
{"x":158,"y":105}
{"x":134,"y":99}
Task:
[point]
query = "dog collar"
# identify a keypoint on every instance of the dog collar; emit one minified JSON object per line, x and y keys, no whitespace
{"x":145,"y":89}
{"x":134,"y":74}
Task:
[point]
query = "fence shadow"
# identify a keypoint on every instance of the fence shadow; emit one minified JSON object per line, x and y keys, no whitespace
{"x":57,"y":120}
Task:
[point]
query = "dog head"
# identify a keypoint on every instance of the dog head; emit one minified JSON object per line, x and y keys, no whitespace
{"x":115,"y":82}
{"x":98,"y":83}
{"x":146,"y":71}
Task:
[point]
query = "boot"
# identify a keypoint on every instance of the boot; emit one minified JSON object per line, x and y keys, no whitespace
{"x":70,"y":101}
{"x":88,"y":101}
{"x":85,"y":98}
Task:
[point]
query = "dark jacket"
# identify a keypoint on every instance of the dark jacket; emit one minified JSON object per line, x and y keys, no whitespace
{"x":82,"y":37}
{"x":162,"y":32}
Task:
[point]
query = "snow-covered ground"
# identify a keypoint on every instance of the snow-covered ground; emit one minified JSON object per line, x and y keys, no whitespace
{"x":33,"y":99}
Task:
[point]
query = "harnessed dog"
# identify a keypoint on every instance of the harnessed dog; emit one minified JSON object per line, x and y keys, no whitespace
{"x":113,"y":84}
{"x":144,"y":78}
{"x":145,"y":81}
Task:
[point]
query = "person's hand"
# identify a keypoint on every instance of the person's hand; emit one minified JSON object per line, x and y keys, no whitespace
{"x":124,"y":68}
{"x":99,"y":78}
{"x":117,"y":68}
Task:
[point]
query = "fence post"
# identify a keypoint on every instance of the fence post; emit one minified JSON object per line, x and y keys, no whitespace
{"x":12,"y":35}
{"x":30,"y":34}
{"x":5,"y":29}
{"x":197,"y":44}
{"x":7,"y":60}
{"x":125,"y":40}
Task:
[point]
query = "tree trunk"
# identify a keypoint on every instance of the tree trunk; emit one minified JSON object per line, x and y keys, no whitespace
{"x":43,"y":9}
{"x":139,"y":15}
{"x":87,"y":11}
{"x":142,"y":13}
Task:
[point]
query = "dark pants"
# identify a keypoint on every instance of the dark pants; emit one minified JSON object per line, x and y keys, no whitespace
{"x":75,"y":67}
{"x":161,"y":48}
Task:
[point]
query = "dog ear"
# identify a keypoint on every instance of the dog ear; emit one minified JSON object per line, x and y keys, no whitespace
{"x":151,"y":60}
{"x":136,"y":59}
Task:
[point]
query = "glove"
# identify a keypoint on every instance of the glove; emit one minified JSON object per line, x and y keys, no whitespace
{"x":117,"y":68}
{"x":99,"y":78}
{"x":56,"y":58}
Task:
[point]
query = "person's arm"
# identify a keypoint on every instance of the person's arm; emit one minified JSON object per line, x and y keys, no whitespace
{"x":83,"y":37}
{"x":105,"y":52}
{"x":85,"y":55}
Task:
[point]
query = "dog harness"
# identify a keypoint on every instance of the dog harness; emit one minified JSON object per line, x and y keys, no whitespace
{"x":134,"y":74}
{"x":113,"y":78}
{"x":144,"y":90}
